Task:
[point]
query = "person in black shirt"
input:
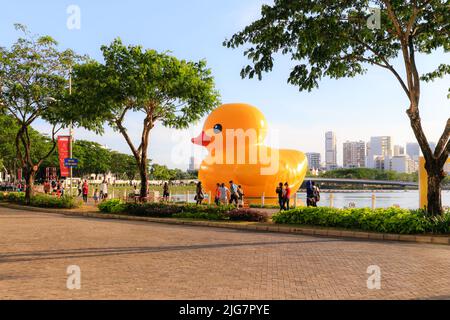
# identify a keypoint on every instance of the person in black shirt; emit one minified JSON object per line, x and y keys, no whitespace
{"x":279,"y":192}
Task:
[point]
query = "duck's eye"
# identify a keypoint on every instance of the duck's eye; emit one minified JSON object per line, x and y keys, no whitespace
{"x":217,"y":128}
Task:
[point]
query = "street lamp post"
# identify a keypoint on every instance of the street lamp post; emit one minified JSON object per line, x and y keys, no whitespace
{"x":71,"y":134}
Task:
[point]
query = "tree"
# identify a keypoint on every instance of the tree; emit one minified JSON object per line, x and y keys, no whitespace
{"x":92,"y":158}
{"x":8,"y":131}
{"x":33,"y":76}
{"x":41,"y":146}
{"x":160,"y":172}
{"x":123,"y":165}
{"x":331,"y":39}
{"x":157,"y":85}
{"x":370,"y":174}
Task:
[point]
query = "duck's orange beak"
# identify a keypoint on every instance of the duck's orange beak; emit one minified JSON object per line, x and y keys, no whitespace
{"x":202,"y":140}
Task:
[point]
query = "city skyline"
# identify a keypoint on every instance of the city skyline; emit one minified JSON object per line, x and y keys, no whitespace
{"x":356,"y":154}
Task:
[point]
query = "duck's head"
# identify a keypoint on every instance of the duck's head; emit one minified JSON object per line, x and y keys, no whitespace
{"x":233,"y":118}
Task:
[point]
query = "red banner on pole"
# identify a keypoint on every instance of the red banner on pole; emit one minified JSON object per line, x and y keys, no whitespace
{"x":63,"y":151}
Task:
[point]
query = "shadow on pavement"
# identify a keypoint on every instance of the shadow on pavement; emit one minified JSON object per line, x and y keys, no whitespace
{"x":98,"y":252}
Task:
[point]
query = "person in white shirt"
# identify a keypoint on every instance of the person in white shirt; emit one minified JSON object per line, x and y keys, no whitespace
{"x":104,"y":189}
{"x":224,"y":191}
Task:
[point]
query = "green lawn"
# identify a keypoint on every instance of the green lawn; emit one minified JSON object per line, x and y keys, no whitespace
{"x":119,"y":190}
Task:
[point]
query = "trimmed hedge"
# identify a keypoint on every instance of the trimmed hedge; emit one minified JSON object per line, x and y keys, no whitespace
{"x":40,"y":200}
{"x":390,"y":220}
{"x":187,"y":211}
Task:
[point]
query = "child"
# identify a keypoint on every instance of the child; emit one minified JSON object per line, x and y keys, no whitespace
{"x":96,"y":196}
{"x":240,"y":193}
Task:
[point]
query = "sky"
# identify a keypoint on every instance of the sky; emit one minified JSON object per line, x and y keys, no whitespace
{"x":355,"y":109}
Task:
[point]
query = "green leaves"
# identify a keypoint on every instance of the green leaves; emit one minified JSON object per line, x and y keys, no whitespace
{"x":166,"y":89}
{"x":331,"y":38}
{"x":440,"y":72}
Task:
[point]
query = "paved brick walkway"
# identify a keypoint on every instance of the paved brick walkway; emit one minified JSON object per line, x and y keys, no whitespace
{"x":137,"y":260}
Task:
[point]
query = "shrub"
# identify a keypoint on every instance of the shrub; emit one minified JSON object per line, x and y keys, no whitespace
{"x":40,"y":200}
{"x":390,"y":220}
{"x":187,"y":211}
{"x":111,"y":206}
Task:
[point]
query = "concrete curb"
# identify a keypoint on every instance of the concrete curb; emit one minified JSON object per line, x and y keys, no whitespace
{"x":251,"y":226}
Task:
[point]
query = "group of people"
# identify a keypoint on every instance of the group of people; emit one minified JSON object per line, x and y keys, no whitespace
{"x":54,"y":187}
{"x":283,"y":192}
{"x":312,"y":194}
{"x":83,"y":190}
{"x":284,"y":195}
{"x":232,"y":195}
{"x":12,"y":186}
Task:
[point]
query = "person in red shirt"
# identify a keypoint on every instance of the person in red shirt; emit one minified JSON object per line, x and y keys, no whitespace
{"x":287,"y":196}
{"x":85,"y":191}
{"x":217,"y":195}
{"x":47,"y":187}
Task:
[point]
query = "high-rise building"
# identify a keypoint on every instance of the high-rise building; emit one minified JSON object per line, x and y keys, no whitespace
{"x":401,"y":164}
{"x":330,"y":151}
{"x":194,"y":164}
{"x":354,"y":154}
{"x":399,"y":150}
{"x":413,"y":150}
{"x":379,"y":147}
{"x":314,"y":160}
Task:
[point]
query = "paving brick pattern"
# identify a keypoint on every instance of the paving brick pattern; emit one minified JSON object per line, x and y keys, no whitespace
{"x":141,"y":260}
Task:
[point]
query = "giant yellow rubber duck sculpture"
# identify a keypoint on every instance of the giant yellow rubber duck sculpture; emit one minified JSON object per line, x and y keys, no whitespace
{"x":234,"y":136}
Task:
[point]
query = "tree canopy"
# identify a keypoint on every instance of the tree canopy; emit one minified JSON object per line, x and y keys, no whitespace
{"x":156,"y":85}
{"x":332,"y":38}
{"x":33,"y":78}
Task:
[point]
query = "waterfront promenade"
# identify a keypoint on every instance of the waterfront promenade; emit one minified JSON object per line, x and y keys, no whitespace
{"x":139,"y":260}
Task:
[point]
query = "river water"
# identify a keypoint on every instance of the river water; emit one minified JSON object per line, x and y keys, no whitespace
{"x":404,"y":199}
{"x":383,"y":199}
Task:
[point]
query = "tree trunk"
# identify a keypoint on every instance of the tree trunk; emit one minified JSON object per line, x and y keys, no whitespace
{"x":435,"y":177}
{"x":434,"y":165}
{"x":144,"y":180}
{"x":29,"y":183}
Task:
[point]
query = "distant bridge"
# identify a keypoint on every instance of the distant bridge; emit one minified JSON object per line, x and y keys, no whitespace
{"x":365,"y":182}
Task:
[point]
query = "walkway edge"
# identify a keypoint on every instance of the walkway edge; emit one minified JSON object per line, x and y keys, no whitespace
{"x":255,"y":226}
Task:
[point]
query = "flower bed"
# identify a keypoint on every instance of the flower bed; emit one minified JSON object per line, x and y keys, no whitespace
{"x":188,"y":211}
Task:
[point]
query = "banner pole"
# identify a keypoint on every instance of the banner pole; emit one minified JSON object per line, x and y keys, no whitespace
{"x":71,"y":132}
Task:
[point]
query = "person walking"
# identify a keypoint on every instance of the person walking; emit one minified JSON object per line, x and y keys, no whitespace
{"x":85,"y":191}
{"x":224,"y":191}
{"x":47,"y":187}
{"x":279,"y":192}
{"x":310,"y":194}
{"x":233,"y":193}
{"x":166,"y":192}
{"x":96,"y":196}
{"x":104,"y":189}
{"x":54,"y":186}
{"x":80,"y":189}
{"x":316,"y":194}
{"x":217,"y":195}
{"x":62,"y":189}
{"x":240,"y":193}
{"x":199,"y":195}
{"x":58,"y":189}
{"x":287,"y":196}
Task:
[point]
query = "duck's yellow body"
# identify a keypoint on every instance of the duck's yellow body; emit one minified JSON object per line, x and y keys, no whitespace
{"x":234,"y":136}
